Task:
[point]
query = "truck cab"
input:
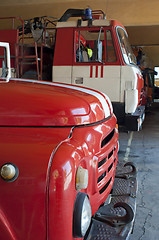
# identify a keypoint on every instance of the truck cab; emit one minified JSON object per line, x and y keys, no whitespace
{"x":111,"y":67}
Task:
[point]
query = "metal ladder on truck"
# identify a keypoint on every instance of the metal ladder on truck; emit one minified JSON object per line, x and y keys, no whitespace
{"x":27,"y":54}
{"x":22,"y":54}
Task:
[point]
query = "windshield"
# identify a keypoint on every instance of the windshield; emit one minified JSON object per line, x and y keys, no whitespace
{"x":127,"y":52}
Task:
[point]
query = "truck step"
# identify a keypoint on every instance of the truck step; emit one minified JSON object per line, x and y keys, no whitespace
{"x":115,"y":219}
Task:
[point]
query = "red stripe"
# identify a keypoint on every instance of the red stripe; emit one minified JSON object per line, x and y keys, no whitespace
{"x":102,"y":71}
{"x":96,"y":71}
{"x":91,"y":71}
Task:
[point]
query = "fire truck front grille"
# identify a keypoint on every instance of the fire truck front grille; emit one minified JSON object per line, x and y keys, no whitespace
{"x":106,"y":163}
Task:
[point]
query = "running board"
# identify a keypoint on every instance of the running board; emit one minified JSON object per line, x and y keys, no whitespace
{"x":115,"y":219}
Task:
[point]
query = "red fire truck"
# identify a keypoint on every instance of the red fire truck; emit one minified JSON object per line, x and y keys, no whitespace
{"x":91,"y":52}
{"x":59,"y":151}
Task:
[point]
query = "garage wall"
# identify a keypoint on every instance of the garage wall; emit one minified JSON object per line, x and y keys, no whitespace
{"x":129,"y":12}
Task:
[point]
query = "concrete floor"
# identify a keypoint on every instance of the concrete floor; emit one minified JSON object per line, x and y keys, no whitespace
{"x":143,"y":149}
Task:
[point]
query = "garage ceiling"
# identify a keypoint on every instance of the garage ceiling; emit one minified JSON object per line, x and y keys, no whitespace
{"x":140,"y":17}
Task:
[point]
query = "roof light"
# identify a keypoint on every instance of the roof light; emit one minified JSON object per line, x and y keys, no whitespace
{"x":88,"y":13}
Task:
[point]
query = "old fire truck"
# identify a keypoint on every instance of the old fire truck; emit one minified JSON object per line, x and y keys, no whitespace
{"x":59,"y":152}
{"x":91,"y":52}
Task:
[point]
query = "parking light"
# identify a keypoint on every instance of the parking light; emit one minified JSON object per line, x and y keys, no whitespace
{"x":9,"y":172}
{"x":81,"y":178}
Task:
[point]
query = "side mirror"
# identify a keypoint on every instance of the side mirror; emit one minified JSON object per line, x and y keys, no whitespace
{"x":6,"y":67}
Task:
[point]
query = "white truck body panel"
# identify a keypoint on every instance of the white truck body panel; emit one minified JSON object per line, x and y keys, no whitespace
{"x":82,"y":76}
{"x":101,"y":22}
{"x":102,"y":78}
{"x":62,"y":74}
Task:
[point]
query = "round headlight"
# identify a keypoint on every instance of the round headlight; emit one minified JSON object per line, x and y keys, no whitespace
{"x":81,"y":215}
{"x":9,"y":172}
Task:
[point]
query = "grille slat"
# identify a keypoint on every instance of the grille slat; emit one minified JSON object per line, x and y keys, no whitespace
{"x":102,"y":162}
{"x":110,"y":167}
{"x":101,"y":177}
{"x":110,"y":154}
{"x":105,"y":186}
{"x":107,"y":138}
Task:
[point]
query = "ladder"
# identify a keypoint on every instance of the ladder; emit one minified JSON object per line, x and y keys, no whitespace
{"x":26,"y":55}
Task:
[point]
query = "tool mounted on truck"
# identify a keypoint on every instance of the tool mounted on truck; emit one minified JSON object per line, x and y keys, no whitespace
{"x":91,"y":52}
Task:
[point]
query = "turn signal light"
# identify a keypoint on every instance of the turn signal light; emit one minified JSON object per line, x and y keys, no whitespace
{"x":81,"y":178}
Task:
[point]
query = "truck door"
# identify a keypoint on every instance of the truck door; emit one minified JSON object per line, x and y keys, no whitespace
{"x":96,"y":64}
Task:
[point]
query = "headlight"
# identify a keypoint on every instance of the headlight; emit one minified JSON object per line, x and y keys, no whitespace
{"x":81,"y":215}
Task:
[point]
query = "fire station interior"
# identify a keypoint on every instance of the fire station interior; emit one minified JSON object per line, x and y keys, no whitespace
{"x":141,"y":20}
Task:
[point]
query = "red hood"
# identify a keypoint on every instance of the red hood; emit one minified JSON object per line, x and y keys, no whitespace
{"x":37,"y":103}
{"x":22,"y":202}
